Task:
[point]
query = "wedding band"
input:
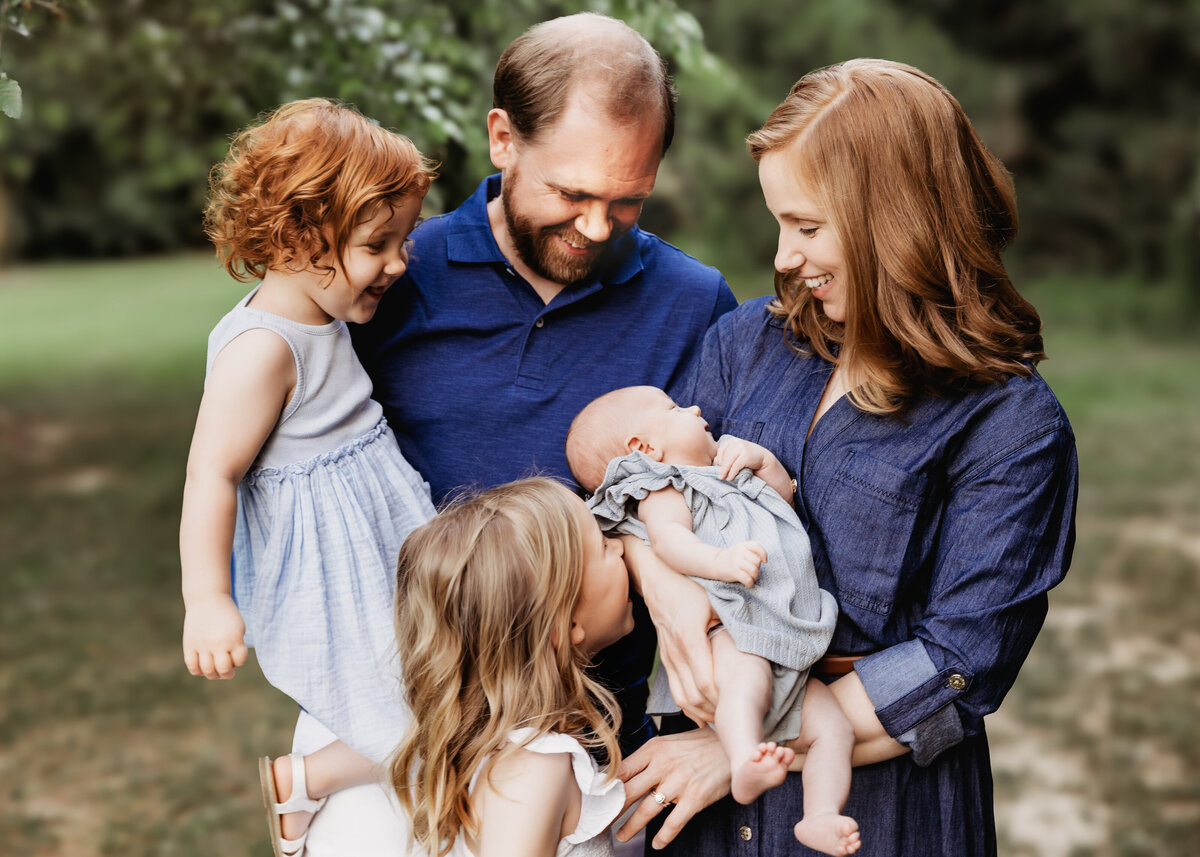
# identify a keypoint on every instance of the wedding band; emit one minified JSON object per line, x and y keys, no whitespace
{"x":659,"y":798}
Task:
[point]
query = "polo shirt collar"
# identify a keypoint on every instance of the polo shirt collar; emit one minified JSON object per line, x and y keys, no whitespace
{"x":471,"y":240}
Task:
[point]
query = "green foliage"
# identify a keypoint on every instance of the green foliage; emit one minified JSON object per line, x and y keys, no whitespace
{"x":113,"y":154}
{"x":128,"y":103}
{"x":10,"y":98}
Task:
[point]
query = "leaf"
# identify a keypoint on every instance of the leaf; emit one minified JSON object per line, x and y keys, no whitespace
{"x":10,"y":98}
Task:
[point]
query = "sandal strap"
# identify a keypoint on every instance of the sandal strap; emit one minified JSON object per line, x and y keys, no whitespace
{"x":292,"y":847}
{"x":299,"y":801}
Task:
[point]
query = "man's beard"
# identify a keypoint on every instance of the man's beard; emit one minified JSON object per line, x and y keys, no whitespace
{"x":539,"y":249}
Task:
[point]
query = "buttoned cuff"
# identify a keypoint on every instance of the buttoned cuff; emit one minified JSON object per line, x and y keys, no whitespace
{"x":914,"y":700}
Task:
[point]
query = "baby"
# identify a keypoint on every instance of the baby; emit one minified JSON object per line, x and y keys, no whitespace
{"x":722,"y":513}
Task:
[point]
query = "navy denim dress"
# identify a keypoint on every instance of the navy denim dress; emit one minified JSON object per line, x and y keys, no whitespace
{"x":939,"y":534}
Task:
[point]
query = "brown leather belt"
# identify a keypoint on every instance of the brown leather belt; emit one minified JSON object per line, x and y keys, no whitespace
{"x":836,"y":664}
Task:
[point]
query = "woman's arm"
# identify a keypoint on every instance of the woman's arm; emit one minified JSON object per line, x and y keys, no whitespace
{"x":247,"y":388}
{"x":691,"y":770}
{"x":682,"y":614}
{"x":526,"y":802}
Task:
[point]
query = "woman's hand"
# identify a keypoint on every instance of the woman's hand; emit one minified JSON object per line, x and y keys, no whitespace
{"x":690,"y":770}
{"x":682,"y":615}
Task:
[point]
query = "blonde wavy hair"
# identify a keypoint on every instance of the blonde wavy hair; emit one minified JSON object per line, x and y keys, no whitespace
{"x":485,"y":593}
{"x":923,"y":211}
{"x":294,"y":186}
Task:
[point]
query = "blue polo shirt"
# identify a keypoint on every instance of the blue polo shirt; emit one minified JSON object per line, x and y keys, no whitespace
{"x":479,"y":379}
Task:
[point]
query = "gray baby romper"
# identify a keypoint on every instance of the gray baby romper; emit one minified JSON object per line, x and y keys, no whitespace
{"x":785,"y":617}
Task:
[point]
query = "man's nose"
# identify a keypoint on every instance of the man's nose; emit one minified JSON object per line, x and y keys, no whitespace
{"x":594,"y":222}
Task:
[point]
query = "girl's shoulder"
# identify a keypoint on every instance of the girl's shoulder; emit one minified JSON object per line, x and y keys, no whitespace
{"x":602,"y":796}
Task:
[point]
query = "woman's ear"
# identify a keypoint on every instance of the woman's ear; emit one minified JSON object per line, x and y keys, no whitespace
{"x":578,"y":635}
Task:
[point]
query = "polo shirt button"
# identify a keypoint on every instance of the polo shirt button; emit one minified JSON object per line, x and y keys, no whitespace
{"x":746,"y":833}
{"x":956,"y":682}
{"x":541,"y":322}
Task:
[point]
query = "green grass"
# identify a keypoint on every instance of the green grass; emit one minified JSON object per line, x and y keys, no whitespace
{"x":109,"y":747}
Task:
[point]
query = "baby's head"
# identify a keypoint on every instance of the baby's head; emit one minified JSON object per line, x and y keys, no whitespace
{"x":294,"y":186}
{"x":635,"y":419}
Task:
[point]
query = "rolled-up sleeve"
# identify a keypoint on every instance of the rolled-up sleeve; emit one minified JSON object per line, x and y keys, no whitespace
{"x":1005,"y":540}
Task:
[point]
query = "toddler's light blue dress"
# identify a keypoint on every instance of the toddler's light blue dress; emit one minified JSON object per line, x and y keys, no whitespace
{"x":320,"y":519}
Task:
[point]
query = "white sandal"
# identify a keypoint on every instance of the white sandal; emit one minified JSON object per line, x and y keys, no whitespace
{"x":298,"y":802}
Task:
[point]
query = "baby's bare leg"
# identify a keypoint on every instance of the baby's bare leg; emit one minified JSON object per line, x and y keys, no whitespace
{"x":828,"y":739}
{"x":332,"y":768}
{"x":744,"y":694}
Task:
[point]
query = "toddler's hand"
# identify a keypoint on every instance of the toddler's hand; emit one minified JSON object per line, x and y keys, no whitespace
{"x":735,"y":454}
{"x":214,"y":637}
{"x":740,"y":563}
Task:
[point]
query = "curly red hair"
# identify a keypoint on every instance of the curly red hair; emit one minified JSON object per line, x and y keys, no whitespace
{"x":295,"y":184}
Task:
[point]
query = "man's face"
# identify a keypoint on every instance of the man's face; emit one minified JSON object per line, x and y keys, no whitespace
{"x":570,"y":194}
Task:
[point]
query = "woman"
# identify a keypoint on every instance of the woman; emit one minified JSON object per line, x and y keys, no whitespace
{"x":893,"y":375}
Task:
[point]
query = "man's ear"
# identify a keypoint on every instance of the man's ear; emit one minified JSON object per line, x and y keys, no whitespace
{"x":502,"y":138}
{"x":636,"y":443}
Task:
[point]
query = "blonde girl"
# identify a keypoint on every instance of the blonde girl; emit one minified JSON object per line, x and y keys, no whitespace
{"x":501,"y":601}
{"x":297,"y":497}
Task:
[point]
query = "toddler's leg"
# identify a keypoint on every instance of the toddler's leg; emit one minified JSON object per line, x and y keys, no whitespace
{"x":744,"y":693}
{"x":828,"y":739}
{"x":328,"y":770}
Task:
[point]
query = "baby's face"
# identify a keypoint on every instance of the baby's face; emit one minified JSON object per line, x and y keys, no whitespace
{"x":680,"y":433}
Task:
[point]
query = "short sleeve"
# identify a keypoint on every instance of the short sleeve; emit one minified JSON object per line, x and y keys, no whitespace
{"x":602,"y":797}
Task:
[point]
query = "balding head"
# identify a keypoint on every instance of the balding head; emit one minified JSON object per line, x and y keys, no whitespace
{"x":605,"y":58}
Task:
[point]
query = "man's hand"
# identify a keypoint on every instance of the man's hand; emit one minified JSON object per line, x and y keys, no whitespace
{"x":690,"y":770}
{"x":740,"y":563}
{"x":214,"y":636}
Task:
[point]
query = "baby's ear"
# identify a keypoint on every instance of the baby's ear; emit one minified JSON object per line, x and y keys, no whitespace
{"x":634,"y":443}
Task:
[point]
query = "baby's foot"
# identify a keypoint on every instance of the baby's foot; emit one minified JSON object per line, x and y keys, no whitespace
{"x":292,"y":825}
{"x":829,"y":833}
{"x":764,"y":769}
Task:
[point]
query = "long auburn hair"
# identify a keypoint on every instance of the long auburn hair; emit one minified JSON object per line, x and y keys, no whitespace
{"x":923,"y":211}
{"x":296,"y":183}
{"x":484,"y":592}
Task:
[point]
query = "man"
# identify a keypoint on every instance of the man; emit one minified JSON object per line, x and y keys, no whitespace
{"x":540,"y":293}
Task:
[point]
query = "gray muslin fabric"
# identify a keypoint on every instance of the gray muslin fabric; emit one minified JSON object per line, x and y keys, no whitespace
{"x":785,"y":617}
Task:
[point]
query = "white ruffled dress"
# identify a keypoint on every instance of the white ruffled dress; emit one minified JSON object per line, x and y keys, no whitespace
{"x":602,"y":797}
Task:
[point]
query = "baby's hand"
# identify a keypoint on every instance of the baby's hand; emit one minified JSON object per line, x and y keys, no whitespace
{"x":740,"y":563}
{"x":214,"y":637}
{"x":735,"y":454}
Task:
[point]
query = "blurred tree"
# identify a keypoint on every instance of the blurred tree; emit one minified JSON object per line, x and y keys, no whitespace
{"x":130,"y":103}
{"x":1093,"y":105}
{"x":1108,"y":95}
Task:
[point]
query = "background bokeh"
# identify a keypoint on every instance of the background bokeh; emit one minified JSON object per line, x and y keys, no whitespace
{"x":107,"y":292}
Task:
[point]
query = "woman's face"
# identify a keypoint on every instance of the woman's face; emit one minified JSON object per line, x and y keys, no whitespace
{"x":808,"y":246}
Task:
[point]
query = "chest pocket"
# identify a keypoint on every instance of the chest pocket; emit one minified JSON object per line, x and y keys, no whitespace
{"x":869,"y":518}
